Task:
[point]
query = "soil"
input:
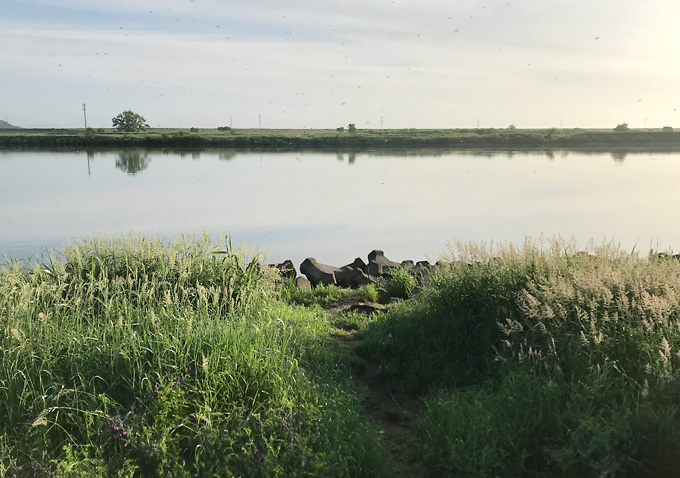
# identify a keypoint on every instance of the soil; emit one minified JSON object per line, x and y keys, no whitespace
{"x":393,"y":411}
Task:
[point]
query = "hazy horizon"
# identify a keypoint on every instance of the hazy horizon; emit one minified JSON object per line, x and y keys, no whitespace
{"x":303,"y":64}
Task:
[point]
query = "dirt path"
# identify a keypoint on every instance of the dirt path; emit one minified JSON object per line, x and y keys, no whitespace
{"x":393,"y":411}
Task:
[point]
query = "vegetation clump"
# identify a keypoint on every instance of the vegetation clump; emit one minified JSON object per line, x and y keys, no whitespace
{"x":129,"y":122}
{"x":140,"y":358}
{"x":136,"y":357}
{"x":535,"y":362}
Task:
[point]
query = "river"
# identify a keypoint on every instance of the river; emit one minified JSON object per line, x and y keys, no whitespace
{"x":338,"y":206}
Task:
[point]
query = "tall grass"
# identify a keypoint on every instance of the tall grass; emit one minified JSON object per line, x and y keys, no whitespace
{"x":541,"y":361}
{"x":134,"y":357}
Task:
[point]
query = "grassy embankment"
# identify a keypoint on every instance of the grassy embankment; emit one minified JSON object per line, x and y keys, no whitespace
{"x":139,"y":357}
{"x":332,"y":139}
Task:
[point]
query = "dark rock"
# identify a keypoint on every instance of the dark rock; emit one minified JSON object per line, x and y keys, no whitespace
{"x":303,"y":283}
{"x":423,"y":268}
{"x":352,"y":277}
{"x":357,"y":264}
{"x":318,"y":273}
{"x":378,"y":264}
{"x":286,"y":268}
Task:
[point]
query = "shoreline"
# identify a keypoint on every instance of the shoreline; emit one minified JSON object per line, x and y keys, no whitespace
{"x":326,"y":139}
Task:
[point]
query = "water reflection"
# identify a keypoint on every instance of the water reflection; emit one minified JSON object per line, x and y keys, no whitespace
{"x":298,"y":204}
{"x":619,"y":156}
{"x":133,"y":161}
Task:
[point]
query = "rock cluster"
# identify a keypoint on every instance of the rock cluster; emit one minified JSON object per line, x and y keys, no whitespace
{"x":353,"y":275}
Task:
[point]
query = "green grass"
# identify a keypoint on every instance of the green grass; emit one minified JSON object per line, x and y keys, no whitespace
{"x":540,"y":362}
{"x":135,"y":357}
{"x":139,"y":358}
{"x":328,"y":295}
{"x":281,"y":139}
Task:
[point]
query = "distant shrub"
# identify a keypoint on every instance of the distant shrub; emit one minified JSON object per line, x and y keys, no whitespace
{"x":340,"y":128}
{"x":667,"y":129}
{"x":194,"y":130}
{"x":224,"y":128}
{"x":621,"y":127}
{"x":512,"y":127}
{"x":351,"y":127}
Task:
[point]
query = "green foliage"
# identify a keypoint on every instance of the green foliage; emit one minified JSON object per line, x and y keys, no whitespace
{"x":330,"y":139}
{"x":351,"y":127}
{"x":327,"y":295}
{"x":193,"y":130}
{"x":399,"y":282}
{"x":134,"y":357}
{"x":621,"y":127}
{"x":129,"y":121}
{"x":340,"y":128}
{"x":540,"y":362}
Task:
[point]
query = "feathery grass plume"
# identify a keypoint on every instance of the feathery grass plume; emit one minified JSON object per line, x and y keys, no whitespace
{"x":135,"y":387}
{"x":17,"y":335}
{"x":600,"y":326}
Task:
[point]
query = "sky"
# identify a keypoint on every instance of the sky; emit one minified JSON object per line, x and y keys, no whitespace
{"x":323,"y":64}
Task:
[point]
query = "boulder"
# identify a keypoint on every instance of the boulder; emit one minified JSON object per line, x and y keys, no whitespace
{"x":318,"y":273}
{"x":353,"y":277}
{"x":357,"y":264}
{"x":378,"y":263}
{"x":424,"y":266}
{"x":303,"y":283}
{"x":286,"y":268}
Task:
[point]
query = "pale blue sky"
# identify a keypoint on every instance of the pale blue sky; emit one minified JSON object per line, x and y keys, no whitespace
{"x":319,"y":64}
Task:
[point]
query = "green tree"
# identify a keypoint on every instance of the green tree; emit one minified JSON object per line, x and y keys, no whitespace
{"x":621,"y":127}
{"x":129,"y":121}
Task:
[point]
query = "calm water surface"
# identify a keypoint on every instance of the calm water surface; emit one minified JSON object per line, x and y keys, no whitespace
{"x":336,"y":207}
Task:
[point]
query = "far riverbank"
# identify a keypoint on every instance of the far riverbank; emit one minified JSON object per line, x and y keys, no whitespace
{"x":328,"y":139}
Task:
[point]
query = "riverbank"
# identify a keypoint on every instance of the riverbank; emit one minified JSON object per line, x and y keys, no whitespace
{"x":134,"y":357}
{"x":326,"y":139}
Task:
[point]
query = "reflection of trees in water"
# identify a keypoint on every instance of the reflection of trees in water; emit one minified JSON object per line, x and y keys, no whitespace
{"x":351,"y":157}
{"x":226,"y":155}
{"x":195,"y":155}
{"x":132,"y":162}
{"x":619,"y":156}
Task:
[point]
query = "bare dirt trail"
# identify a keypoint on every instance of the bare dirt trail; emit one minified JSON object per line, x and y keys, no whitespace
{"x":392,"y":410}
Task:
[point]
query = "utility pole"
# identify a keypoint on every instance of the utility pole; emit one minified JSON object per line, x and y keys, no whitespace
{"x":230,"y":123}
{"x":85,"y":115}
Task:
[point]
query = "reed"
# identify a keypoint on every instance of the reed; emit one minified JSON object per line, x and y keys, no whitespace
{"x":135,"y":357}
{"x":540,"y":360}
